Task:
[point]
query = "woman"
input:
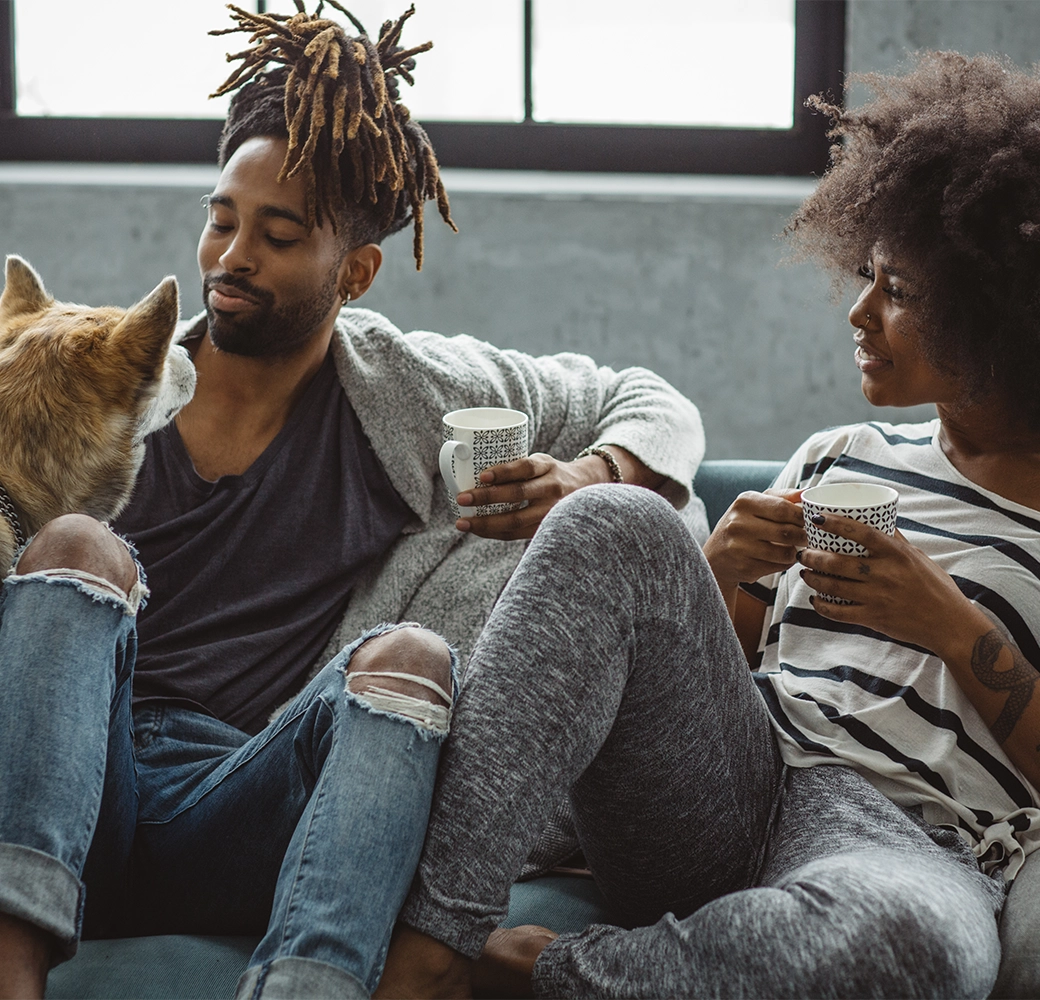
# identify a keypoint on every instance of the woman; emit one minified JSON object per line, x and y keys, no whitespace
{"x":842,"y":821}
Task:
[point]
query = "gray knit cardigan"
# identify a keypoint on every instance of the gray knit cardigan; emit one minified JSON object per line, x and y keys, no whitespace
{"x":400,"y":386}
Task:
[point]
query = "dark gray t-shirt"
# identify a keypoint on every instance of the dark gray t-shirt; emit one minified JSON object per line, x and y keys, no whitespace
{"x":250,"y":574}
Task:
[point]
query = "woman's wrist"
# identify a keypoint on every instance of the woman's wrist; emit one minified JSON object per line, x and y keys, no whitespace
{"x":715,"y":557}
{"x":958,"y":631}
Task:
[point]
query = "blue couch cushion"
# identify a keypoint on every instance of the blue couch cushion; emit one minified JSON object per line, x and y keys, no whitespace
{"x":153,"y":968}
{"x":719,"y":481}
{"x":190,"y":967}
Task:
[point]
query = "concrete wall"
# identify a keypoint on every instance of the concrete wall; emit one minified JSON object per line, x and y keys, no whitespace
{"x":679,"y":274}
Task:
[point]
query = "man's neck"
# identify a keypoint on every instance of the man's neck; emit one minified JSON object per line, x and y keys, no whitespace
{"x":241,"y":403}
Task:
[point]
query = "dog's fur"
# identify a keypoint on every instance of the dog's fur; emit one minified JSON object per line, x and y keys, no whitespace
{"x":80,"y":387}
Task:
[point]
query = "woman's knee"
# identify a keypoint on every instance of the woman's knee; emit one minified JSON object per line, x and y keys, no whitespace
{"x":628,"y":534}
{"x":77,"y":541}
{"x":607,"y":500}
{"x":616,"y":516}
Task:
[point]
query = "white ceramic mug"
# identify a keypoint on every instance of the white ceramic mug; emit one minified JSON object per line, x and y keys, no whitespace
{"x":474,"y":440}
{"x":870,"y":503}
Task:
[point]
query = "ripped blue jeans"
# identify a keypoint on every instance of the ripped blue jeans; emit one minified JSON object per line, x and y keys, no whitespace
{"x":163,"y":820}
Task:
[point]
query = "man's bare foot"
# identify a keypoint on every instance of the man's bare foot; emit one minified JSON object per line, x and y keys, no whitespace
{"x":419,"y":966}
{"x":25,"y":953}
{"x":506,"y":965}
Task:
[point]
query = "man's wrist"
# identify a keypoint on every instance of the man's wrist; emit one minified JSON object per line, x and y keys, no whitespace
{"x":604,"y":455}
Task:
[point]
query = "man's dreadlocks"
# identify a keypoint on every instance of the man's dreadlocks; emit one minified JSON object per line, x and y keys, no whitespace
{"x":335,"y":98}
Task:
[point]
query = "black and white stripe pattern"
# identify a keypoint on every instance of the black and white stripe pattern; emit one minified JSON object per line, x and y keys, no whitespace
{"x":844,"y":694}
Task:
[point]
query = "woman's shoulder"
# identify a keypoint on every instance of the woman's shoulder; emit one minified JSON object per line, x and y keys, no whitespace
{"x":870,"y":435}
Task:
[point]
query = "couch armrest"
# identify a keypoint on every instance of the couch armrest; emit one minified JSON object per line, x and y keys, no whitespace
{"x":720,"y":480}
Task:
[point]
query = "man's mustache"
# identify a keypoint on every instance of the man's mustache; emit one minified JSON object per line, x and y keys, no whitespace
{"x":262,"y":295}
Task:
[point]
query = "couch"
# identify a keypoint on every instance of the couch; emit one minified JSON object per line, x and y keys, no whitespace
{"x":187,"y":966}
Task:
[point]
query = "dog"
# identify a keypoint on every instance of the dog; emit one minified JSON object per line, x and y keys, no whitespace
{"x":80,"y":389}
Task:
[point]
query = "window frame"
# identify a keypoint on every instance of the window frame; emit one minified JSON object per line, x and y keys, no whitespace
{"x":799,"y":151}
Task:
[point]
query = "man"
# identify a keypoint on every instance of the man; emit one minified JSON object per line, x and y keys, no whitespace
{"x":294,"y":504}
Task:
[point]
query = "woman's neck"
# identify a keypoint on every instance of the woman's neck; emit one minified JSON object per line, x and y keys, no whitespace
{"x":995,"y":449}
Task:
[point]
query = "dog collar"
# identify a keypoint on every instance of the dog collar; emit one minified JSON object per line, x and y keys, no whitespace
{"x":10,"y":515}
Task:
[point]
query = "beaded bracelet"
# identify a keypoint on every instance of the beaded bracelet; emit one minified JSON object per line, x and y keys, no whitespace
{"x":612,"y":463}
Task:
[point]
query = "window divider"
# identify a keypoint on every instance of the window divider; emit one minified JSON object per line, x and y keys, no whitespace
{"x":528,"y":145}
{"x":7,"y":64}
{"x":528,"y":60}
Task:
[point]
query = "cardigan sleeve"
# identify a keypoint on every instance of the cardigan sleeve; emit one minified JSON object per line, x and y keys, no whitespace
{"x":570,"y":400}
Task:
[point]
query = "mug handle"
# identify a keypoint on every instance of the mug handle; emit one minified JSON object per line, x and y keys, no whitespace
{"x":449,"y":450}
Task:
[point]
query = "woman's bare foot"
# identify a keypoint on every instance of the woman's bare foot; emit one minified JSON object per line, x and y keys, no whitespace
{"x":419,"y":966}
{"x":506,"y":965}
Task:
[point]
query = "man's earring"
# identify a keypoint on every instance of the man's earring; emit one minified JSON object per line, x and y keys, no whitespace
{"x":346,"y":299}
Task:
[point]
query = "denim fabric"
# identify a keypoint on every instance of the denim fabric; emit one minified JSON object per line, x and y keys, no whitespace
{"x":309,"y":831}
{"x":66,"y":661}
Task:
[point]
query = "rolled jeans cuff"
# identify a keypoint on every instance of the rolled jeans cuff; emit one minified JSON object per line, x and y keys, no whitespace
{"x":42,"y":891}
{"x":290,"y":977}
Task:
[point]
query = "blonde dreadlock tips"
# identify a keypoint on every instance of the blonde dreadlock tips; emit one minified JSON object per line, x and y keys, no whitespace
{"x":349,"y":137}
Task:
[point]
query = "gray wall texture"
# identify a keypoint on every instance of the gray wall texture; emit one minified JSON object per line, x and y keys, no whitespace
{"x":680,"y":276}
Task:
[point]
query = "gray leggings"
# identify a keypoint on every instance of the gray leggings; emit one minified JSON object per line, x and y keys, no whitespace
{"x":609,"y":669}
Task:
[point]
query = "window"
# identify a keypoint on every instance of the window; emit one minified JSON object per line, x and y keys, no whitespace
{"x":678,"y":86}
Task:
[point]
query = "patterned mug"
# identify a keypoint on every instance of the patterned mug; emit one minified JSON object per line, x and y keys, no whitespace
{"x":869,"y":503}
{"x":474,"y":440}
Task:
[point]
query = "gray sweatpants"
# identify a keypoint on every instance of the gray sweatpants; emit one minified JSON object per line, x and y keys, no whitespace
{"x":609,"y":668}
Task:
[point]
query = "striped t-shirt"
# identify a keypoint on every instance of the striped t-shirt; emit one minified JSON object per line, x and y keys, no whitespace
{"x":844,"y":694}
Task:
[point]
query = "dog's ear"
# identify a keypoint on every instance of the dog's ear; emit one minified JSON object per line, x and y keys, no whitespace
{"x":143,"y":335}
{"x":24,"y":291}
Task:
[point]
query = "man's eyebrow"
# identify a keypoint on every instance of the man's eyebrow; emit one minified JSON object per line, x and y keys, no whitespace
{"x":891,"y":271}
{"x":265,"y":211}
{"x":278,"y":212}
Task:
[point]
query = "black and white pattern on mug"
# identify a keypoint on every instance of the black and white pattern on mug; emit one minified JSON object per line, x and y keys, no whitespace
{"x":882,"y":517}
{"x":491,"y":446}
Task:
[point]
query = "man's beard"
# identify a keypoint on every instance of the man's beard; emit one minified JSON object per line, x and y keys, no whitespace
{"x":268,"y":332}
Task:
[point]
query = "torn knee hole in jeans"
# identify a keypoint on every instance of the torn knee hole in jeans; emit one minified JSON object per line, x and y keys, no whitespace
{"x":425,"y":714}
{"x":96,"y":586}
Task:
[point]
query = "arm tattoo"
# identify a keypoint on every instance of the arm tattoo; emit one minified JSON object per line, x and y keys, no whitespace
{"x":1019,"y":681}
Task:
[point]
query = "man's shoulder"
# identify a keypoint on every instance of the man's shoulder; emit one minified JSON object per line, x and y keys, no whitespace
{"x":370,"y":335}
{"x":366,"y":329}
{"x":360,"y":324}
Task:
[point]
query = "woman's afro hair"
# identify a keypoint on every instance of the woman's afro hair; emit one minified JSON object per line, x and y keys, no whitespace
{"x":941,"y":172}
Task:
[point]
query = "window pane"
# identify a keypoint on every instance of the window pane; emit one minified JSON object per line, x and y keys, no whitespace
{"x":475,"y":70}
{"x":152,"y":59}
{"x":133,"y":58}
{"x":665,"y":62}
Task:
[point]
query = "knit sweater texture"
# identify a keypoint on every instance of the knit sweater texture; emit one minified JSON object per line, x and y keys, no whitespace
{"x":401,"y":385}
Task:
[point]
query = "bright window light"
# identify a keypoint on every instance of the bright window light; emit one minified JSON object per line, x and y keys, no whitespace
{"x":665,"y":62}
{"x":475,"y":70}
{"x":137,"y":58}
{"x":659,"y":62}
{"x":152,"y":59}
